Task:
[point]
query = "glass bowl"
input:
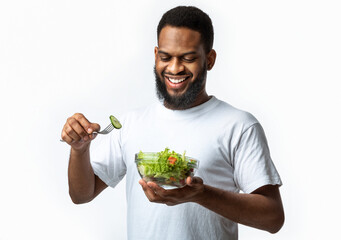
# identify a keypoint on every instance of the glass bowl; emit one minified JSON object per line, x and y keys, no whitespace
{"x":168,"y":173}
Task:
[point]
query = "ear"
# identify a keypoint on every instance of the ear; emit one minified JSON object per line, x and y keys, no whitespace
{"x":210,"y":57}
{"x":156,"y":50}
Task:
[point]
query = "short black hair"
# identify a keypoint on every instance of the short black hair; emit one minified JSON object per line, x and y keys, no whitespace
{"x":192,"y":18}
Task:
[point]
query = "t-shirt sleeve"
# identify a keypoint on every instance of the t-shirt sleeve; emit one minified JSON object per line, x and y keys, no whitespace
{"x":253,"y":166}
{"x":107,"y":159}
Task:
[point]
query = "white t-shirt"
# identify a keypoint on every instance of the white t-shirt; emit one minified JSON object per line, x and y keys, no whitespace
{"x":229,"y":143}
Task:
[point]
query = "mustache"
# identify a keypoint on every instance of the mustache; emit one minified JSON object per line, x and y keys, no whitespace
{"x":177,"y":74}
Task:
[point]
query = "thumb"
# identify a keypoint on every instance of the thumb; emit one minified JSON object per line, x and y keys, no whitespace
{"x":94,"y":127}
{"x":192,"y":181}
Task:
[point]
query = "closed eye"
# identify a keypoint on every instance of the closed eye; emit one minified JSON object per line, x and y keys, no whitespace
{"x":187,"y":59}
{"x":165,"y":59}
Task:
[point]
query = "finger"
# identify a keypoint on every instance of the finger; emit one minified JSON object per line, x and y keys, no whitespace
{"x":192,"y":181}
{"x":77,"y":129}
{"x":149,"y":192}
{"x":158,"y":190}
{"x":170,"y":197}
{"x":66,"y":138}
{"x":71,"y":132}
{"x":142,"y":183}
{"x":94,"y":127}
{"x":86,"y":124}
{"x":83,"y":122}
{"x":92,"y":136}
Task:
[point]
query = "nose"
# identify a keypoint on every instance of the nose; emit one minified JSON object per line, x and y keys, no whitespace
{"x":175,"y":66}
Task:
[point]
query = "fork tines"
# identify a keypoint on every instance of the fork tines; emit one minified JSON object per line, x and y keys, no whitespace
{"x":108,"y":128}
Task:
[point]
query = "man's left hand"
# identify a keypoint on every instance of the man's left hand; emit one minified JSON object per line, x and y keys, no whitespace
{"x":191,"y":192}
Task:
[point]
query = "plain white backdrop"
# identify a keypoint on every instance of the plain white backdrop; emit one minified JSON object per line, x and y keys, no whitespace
{"x":279,"y":60}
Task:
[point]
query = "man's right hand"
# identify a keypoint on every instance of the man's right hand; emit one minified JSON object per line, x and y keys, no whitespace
{"x":78,"y":131}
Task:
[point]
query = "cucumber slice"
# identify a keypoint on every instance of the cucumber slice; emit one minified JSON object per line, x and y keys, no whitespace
{"x":115,"y":122}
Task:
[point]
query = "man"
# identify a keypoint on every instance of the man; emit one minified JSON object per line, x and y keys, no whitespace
{"x":229,"y":143}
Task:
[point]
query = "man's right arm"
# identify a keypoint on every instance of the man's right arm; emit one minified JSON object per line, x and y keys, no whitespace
{"x":84,"y":185}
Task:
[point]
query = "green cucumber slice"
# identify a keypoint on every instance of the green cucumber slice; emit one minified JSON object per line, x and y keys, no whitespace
{"x":115,"y":122}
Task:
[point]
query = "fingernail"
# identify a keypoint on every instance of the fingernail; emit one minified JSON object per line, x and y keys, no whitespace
{"x":89,"y":130}
{"x":150,"y":184}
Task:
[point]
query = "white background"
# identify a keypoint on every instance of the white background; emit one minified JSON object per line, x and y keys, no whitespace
{"x":279,"y":60}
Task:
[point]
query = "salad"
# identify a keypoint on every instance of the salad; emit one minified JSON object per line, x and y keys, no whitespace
{"x":166,"y":168}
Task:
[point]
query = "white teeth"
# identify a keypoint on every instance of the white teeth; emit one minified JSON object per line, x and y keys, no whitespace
{"x":177,"y":80}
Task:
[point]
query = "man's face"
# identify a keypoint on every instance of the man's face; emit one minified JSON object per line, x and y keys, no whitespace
{"x":180,"y":68}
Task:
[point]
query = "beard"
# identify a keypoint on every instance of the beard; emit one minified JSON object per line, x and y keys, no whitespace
{"x":180,"y":101}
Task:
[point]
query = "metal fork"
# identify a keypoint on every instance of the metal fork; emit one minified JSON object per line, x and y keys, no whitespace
{"x":106,"y":130}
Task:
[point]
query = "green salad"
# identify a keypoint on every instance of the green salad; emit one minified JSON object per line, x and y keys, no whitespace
{"x":165,"y":167}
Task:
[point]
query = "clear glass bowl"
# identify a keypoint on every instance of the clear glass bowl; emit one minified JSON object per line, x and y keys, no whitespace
{"x":167,"y":175}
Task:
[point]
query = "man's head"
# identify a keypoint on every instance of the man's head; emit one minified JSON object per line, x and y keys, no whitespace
{"x":192,"y":18}
{"x":183,"y":56}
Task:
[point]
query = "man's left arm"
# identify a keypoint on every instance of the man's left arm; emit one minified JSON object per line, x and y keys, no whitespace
{"x":260,"y":209}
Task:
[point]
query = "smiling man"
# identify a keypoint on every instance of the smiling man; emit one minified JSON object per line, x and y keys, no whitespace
{"x":181,"y":67}
{"x":236,"y":182}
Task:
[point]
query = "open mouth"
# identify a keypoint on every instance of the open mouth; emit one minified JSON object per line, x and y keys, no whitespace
{"x":174,"y":80}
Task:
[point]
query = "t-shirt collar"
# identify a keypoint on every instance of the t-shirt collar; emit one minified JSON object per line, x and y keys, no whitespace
{"x":186,"y":113}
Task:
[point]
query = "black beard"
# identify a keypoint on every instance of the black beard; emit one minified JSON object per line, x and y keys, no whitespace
{"x":185,"y":100}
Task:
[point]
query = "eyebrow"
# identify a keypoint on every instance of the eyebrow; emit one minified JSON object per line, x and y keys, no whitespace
{"x":184,"y":54}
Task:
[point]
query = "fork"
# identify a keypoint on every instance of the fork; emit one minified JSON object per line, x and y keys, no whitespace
{"x":106,"y":130}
